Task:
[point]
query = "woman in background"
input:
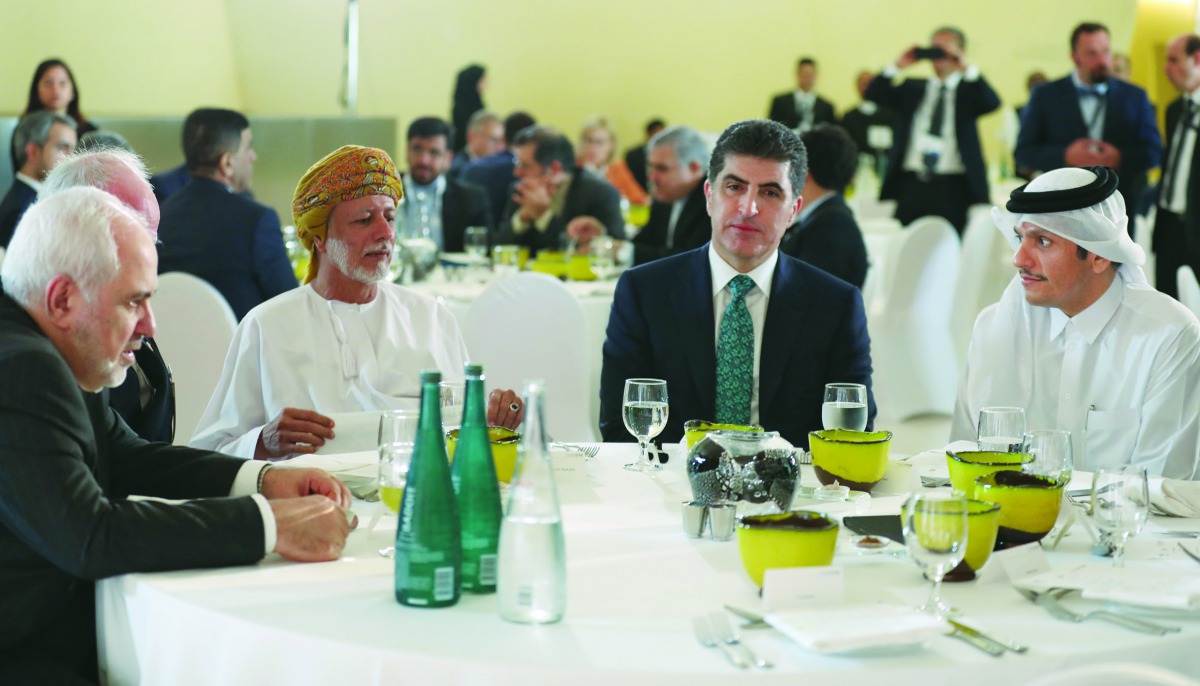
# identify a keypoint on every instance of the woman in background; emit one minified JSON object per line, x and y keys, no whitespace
{"x":468,"y":99}
{"x":53,"y":88}
{"x":596,"y":152}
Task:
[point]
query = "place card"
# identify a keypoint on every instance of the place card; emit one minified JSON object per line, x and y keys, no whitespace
{"x":794,"y":587}
{"x":570,"y":467}
{"x":1021,"y":561}
{"x":897,"y":479}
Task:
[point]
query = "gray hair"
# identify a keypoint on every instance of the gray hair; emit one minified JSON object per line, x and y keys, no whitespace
{"x":70,"y":233}
{"x":90,"y":168}
{"x":482,"y":117}
{"x":35,"y":128}
{"x":689,"y":146}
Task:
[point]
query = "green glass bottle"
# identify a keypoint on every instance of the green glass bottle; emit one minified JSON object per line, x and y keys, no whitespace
{"x":428,"y":537}
{"x":474,"y":477}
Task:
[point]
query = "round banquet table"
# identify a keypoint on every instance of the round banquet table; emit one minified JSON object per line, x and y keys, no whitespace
{"x":634,"y":583}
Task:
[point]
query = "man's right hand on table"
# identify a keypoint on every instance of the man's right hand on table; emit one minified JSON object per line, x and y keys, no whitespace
{"x":293,"y":432}
{"x":309,"y":529}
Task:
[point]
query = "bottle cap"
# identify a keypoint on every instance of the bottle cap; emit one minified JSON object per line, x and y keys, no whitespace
{"x":430,"y":376}
{"x":473,"y":370}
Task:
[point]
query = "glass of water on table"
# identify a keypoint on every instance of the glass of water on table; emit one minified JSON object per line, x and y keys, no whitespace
{"x":645,"y":414}
{"x":845,"y":407}
{"x":1001,"y":429}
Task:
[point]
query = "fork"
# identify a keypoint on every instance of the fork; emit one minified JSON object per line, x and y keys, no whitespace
{"x":705,"y":636}
{"x":724,"y":632}
{"x":1189,"y":553}
{"x":934,"y":481}
{"x":1051,"y":602}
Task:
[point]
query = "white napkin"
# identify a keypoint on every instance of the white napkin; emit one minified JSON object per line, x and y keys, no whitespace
{"x":854,"y":627}
{"x":353,"y":432}
{"x":1175,"y":496}
{"x":1132,"y":586}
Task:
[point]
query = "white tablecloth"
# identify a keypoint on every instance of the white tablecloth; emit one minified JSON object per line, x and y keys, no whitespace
{"x":635,"y":581}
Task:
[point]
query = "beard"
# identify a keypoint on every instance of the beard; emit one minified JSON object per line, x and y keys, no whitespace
{"x":339,"y":254}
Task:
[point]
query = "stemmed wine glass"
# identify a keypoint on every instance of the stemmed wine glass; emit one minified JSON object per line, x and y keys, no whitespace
{"x":1120,"y":505}
{"x":645,"y":414}
{"x":397,"y":438}
{"x":935,"y":532}
{"x":845,"y":406}
{"x":1051,"y":453}
{"x":1001,"y":429}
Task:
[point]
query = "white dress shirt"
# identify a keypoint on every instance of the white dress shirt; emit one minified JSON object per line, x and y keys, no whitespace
{"x":805,"y":102}
{"x":1183,"y":139}
{"x":1123,"y":376}
{"x":756,"y":302}
{"x":300,"y":350}
{"x":1093,"y":109}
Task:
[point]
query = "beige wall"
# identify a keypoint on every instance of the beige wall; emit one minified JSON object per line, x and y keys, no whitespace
{"x":704,"y":62}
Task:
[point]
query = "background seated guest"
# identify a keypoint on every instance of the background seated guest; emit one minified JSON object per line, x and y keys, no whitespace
{"x":865,"y":116}
{"x":802,"y":109}
{"x":211,"y":231}
{"x":41,"y":140}
{"x":77,"y":285}
{"x":551,"y":193}
{"x":739,"y":332}
{"x":146,"y":398}
{"x":494,"y":173}
{"x":1080,"y":340}
{"x":598,"y":154}
{"x":635,"y":157}
{"x":444,"y":206}
{"x":485,"y":136}
{"x":349,"y":340}
{"x":53,"y":90}
{"x":825,"y":234}
{"x":170,"y":182}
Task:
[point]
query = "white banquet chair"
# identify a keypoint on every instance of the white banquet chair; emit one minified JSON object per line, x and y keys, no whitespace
{"x":984,"y":269}
{"x":530,"y":326}
{"x":912,"y":352}
{"x":194,"y":328}
{"x":1,"y":255}
{"x":1189,"y":289}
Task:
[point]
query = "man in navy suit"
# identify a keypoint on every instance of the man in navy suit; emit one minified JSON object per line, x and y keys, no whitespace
{"x":936,"y":164}
{"x":802,"y":109}
{"x":1088,"y":119}
{"x":212,"y":231}
{"x":494,"y":173}
{"x":40,"y":141}
{"x":1177,"y":222}
{"x":670,"y":318}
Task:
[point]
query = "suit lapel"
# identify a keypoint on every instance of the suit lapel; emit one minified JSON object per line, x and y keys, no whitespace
{"x":695,"y":326}
{"x":786,"y":312}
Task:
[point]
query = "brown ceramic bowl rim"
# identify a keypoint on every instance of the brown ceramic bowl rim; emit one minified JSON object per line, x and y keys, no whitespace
{"x":993,"y":507}
{"x":887,"y":436}
{"x":1042,"y":482}
{"x":452,"y":434}
{"x":955,"y":456}
{"x":690,"y":425}
{"x":752,"y":521}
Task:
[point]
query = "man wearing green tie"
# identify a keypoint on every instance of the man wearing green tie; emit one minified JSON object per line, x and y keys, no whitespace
{"x":740,"y":332}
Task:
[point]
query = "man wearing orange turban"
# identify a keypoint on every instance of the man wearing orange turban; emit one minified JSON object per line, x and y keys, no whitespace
{"x":347,"y":341}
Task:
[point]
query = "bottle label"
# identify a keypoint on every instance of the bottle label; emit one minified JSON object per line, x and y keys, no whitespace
{"x":443,"y":583}
{"x":487,"y":570}
{"x":524,"y":596}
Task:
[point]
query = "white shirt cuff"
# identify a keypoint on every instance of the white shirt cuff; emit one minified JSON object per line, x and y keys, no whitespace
{"x":971,"y":73}
{"x":890,"y":71}
{"x":246,"y":483}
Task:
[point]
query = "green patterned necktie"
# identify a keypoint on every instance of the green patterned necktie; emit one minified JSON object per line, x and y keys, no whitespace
{"x":735,"y":356}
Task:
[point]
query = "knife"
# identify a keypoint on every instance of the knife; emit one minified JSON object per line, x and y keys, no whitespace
{"x":985,"y":644}
{"x":1003,"y":643}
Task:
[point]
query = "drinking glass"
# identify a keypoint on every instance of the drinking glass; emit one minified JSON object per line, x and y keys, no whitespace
{"x":397,"y":436}
{"x":601,"y":257}
{"x":1001,"y":429}
{"x":506,"y":259}
{"x":475,"y":240}
{"x":1120,"y":505}
{"x":1051,"y":451}
{"x":645,"y":414}
{"x":845,"y":406}
{"x":453,"y":393}
{"x":935,"y":532}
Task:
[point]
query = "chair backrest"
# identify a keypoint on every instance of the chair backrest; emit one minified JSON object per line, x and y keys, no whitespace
{"x":1189,"y":289}
{"x":924,"y":266}
{"x":195,"y":327}
{"x":1142,"y":227}
{"x":983,"y":272}
{"x":1,"y":254}
{"x":530,"y":326}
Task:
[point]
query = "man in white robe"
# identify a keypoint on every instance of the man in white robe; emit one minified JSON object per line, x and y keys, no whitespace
{"x":1080,"y":340}
{"x":346,"y":341}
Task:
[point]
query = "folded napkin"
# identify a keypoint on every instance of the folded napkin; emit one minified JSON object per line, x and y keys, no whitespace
{"x":855,"y":627}
{"x":1175,"y":496}
{"x":361,"y":463}
{"x":1132,"y":586}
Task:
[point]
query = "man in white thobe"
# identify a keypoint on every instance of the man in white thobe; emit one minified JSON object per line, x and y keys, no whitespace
{"x":1080,"y":340}
{"x":346,"y":341}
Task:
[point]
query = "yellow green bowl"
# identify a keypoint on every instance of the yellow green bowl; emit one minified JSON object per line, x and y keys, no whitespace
{"x":695,"y":429}
{"x":983,"y":524}
{"x":856,"y":459}
{"x":504,"y":449}
{"x":790,"y":539}
{"x":967,"y":466}
{"x":1029,"y":505}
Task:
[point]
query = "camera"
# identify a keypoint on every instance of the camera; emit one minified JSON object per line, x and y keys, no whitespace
{"x":931,"y":53}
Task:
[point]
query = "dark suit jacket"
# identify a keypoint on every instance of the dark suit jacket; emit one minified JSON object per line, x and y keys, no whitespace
{"x":1052,"y":120}
{"x":67,"y":464}
{"x":635,"y":159}
{"x":692,"y":230}
{"x":494,"y":174}
{"x":463,"y":205}
{"x":662,"y":327}
{"x":1191,"y":220}
{"x":587,"y":196}
{"x":783,"y":110}
{"x":857,"y":123}
{"x":229,"y":241}
{"x":830,"y":240}
{"x":18,"y":199}
{"x":972,"y":100}
{"x":169,"y":182}
{"x":156,"y":421}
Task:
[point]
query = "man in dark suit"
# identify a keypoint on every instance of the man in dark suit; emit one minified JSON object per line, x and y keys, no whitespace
{"x":40,"y":141}
{"x":802,"y":109}
{"x":146,"y":399}
{"x":865,"y":122}
{"x":485,"y":136}
{"x":635,"y":157}
{"x":1177,"y":222}
{"x":936,"y":164}
{"x":552,"y":193}
{"x":825,"y":234}
{"x":1088,"y":119}
{"x":782,"y":329}
{"x":443,"y":206}
{"x":69,"y":323}
{"x":211,"y":231}
{"x":494,"y":173}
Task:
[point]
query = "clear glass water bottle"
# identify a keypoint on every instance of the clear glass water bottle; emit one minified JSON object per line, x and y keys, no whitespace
{"x":533,"y":565}
{"x":474,"y":476}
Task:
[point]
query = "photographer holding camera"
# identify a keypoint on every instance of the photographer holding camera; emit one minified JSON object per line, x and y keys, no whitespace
{"x":936,"y":165}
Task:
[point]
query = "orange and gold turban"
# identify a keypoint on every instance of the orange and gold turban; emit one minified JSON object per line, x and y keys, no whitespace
{"x":349,"y":172}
